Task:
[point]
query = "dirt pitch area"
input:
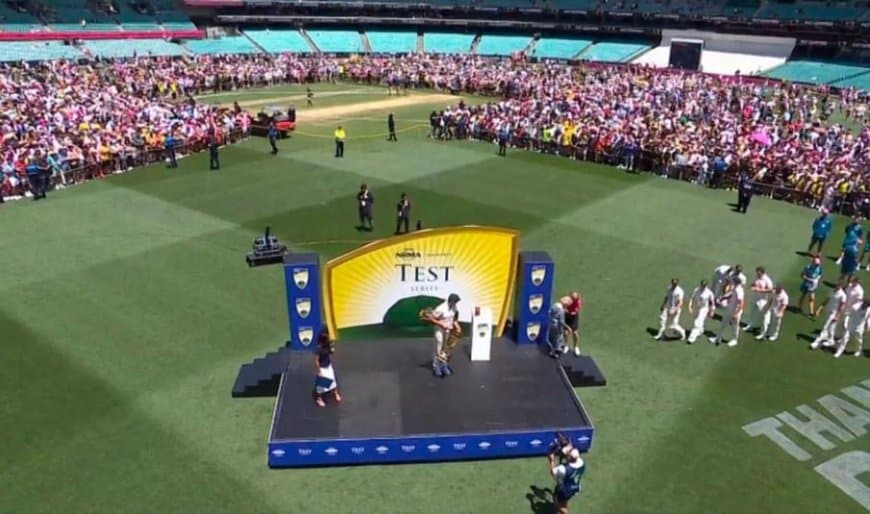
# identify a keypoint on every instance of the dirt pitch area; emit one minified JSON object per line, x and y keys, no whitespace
{"x":338,"y":112}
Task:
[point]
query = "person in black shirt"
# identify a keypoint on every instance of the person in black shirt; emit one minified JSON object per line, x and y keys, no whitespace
{"x":213,"y":159}
{"x":391,"y":126}
{"x":403,"y":214}
{"x":364,"y":200}
{"x":273,"y":136}
{"x":310,"y":94}
{"x":744,"y":192}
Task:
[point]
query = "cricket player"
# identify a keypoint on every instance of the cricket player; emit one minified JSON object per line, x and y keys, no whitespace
{"x":702,"y":305}
{"x":856,"y":324}
{"x":443,"y":318}
{"x":759,"y":315}
{"x":672,"y":306}
{"x":835,"y":306}
{"x":722,"y":278}
{"x":810,"y":277}
{"x":776,"y":308}
{"x":854,"y":302}
{"x":734,"y":303}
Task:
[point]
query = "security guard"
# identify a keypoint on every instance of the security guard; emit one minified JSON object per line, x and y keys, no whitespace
{"x":339,"y":141}
{"x":273,"y":136}
{"x":213,"y":160}
{"x":169,"y":145}
{"x":403,"y":214}
{"x":365,"y":201}
{"x":391,"y":126}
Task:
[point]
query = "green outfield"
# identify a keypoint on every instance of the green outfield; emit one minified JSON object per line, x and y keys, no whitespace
{"x":128,"y":309}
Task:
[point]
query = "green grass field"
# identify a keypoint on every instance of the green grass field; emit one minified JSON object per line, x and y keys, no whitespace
{"x":128,"y":309}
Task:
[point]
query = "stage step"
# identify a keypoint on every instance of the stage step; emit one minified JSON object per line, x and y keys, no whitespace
{"x":261,"y":376}
{"x":582,"y":371}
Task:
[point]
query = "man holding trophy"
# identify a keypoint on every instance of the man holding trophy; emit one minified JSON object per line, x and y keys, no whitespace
{"x":445,"y":319}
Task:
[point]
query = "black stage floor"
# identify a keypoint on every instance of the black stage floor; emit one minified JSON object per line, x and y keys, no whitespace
{"x":389,"y":390}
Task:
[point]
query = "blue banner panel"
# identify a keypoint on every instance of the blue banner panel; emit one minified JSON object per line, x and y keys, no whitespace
{"x":430,"y":448}
{"x":534,"y":291}
{"x":304,"y":305}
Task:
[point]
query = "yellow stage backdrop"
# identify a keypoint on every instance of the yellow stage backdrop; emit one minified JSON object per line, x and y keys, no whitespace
{"x":477,"y":263}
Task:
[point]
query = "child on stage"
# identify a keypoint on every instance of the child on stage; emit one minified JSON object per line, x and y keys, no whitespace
{"x":325,"y":381}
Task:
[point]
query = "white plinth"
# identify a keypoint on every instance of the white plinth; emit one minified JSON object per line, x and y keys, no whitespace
{"x":481,"y":335}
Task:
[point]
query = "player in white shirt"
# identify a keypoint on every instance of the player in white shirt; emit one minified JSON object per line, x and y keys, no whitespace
{"x":443,"y":318}
{"x":856,"y":323}
{"x":672,"y":306}
{"x":759,"y":314}
{"x":702,"y":304}
{"x":776,"y":308}
{"x":722,"y":276}
{"x":733,"y":311}
{"x":835,"y":305}
{"x":854,"y":300}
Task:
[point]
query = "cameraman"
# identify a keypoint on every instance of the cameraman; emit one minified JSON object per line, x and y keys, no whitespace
{"x":567,"y":475}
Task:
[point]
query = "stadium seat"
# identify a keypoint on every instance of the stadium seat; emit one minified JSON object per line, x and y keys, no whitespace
{"x":613,"y":52}
{"x":817,"y":72}
{"x":502,"y":45}
{"x":336,"y":41}
{"x":392,"y":42}
{"x":279,"y":41}
{"x":37,"y":51}
{"x":444,"y":43}
{"x":555,"y":48}
{"x":224,"y":45}
{"x":112,"y":48}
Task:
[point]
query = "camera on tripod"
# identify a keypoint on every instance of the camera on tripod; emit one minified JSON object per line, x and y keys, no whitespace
{"x":561,"y":445}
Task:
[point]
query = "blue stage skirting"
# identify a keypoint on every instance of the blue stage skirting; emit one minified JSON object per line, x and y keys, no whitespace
{"x":434,"y":448}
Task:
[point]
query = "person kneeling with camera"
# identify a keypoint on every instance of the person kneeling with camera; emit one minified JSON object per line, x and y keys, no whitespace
{"x":567,"y":468}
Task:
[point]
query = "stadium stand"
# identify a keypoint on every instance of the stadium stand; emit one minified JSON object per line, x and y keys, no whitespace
{"x":131,"y":19}
{"x":223,"y":45}
{"x":556,"y":48}
{"x":336,"y":41}
{"x":37,"y":51}
{"x":13,"y":20}
{"x":816,"y":72}
{"x":819,"y":11}
{"x":392,"y":42}
{"x":613,"y":52}
{"x":279,"y":41}
{"x":114,"y":48}
{"x":739,"y":8}
{"x":169,"y":17}
{"x":72,"y":15}
{"x":445,"y":43}
{"x":502,"y":45}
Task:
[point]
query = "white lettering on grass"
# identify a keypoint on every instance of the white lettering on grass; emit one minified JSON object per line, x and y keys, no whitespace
{"x":769,"y":427}
{"x":844,"y":471}
{"x":815,"y":426}
{"x":859,"y":394}
{"x":847,"y":413}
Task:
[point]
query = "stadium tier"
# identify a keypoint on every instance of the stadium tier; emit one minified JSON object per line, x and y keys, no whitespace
{"x":555,"y":48}
{"x":12,"y":20}
{"x":112,"y":48}
{"x":383,"y":41}
{"x":336,"y":41}
{"x":443,"y":43}
{"x":278,"y":41}
{"x":223,"y":45}
{"x":37,"y":51}
{"x":613,"y":52}
{"x":502,"y":45}
{"x":831,"y":11}
{"x":816,"y":72}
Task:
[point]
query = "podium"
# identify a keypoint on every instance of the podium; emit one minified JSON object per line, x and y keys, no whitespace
{"x":481,"y":334}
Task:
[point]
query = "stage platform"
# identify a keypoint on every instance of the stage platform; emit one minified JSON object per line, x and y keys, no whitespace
{"x":395,"y":410}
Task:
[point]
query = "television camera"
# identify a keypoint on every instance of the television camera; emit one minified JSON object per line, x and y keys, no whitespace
{"x":266,"y":250}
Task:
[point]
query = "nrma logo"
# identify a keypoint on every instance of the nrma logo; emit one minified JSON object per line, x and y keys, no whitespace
{"x":408,"y":253}
{"x":484,"y":445}
{"x":382,"y":449}
{"x":433,"y":448}
{"x":331,"y":451}
{"x":408,"y":448}
{"x":279,"y":452}
{"x":536,"y":442}
{"x":304,"y":451}
{"x":358,"y":450}
{"x":583,"y":439}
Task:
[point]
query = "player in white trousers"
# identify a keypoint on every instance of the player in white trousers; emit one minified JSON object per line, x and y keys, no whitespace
{"x":702,"y":304}
{"x":776,"y":308}
{"x":672,"y":306}
{"x":854,"y":301}
{"x":734,"y":303}
{"x":835,"y":306}
{"x":759,"y":314}
{"x":856,"y":325}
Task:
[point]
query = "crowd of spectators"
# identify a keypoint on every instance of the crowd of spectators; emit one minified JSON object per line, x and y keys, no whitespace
{"x":113,"y":115}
